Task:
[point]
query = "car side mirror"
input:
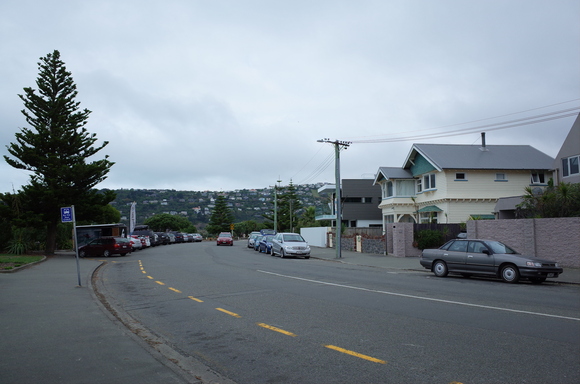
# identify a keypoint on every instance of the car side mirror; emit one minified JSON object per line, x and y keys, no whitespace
{"x":486,"y":251}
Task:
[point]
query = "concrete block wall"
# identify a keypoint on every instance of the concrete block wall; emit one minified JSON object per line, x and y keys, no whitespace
{"x":555,"y":239}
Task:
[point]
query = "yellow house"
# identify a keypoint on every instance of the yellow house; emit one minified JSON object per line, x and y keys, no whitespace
{"x":447,"y":183}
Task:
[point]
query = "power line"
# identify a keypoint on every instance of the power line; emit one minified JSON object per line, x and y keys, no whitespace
{"x":489,"y":127}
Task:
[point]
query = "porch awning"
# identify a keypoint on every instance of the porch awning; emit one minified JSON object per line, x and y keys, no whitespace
{"x":430,"y":208}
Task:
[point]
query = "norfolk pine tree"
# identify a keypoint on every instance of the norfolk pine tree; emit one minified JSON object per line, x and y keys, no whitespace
{"x":56,"y":147}
{"x":221,"y":217}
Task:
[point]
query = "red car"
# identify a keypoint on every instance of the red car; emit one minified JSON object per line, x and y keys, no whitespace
{"x":225,"y":238}
{"x":106,"y":246}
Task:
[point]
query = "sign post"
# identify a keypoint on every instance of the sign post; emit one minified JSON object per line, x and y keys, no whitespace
{"x":67,"y":215}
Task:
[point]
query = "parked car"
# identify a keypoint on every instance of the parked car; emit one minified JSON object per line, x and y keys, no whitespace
{"x":252,"y":239}
{"x":197,"y":237}
{"x":488,"y":258}
{"x":143,"y":230}
{"x":171,"y":238}
{"x":290,"y":244}
{"x":188,"y":237}
{"x":163,"y":238}
{"x":225,"y":238}
{"x":145,"y":240}
{"x":266,"y":244}
{"x":178,"y":237}
{"x":257,"y":242}
{"x":106,"y":246}
{"x":135,"y":243}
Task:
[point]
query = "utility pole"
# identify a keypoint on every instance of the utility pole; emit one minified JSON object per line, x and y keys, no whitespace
{"x":338,"y":145}
{"x":276,"y":205}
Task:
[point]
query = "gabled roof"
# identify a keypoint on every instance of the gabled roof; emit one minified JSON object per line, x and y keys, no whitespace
{"x":390,"y":173}
{"x":454,"y":156}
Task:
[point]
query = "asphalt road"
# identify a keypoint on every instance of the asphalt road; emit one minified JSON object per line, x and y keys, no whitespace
{"x":255,"y":318}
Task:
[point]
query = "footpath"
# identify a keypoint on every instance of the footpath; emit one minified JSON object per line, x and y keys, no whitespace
{"x":54,"y":331}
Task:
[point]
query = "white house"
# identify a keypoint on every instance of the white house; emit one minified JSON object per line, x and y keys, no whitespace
{"x":448,"y":183}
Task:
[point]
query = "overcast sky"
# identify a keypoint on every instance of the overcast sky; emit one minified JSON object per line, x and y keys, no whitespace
{"x":225,"y":95}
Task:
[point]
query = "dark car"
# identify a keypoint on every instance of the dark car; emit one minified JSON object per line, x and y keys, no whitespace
{"x":106,"y":246}
{"x":163,"y":238}
{"x":487,"y":257}
{"x":266,"y":244}
{"x":179,"y":238}
{"x":225,"y":238}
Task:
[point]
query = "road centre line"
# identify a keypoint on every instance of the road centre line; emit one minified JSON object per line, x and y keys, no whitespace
{"x":276,"y":329}
{"x":174,"y":290}
{"x":195,"y":299}
{"x":356,"y":354}
{"x":422,"y":297}
{"x":229,"y":313}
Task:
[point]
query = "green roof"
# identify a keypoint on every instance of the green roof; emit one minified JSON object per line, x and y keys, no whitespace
{"x":430,"y":208}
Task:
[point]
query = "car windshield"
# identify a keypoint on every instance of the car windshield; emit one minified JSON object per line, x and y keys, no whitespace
{"x":293,"y":237}
{"x":268,"y":238}
{"x":498,"y":247}
{"x":225,"y":235}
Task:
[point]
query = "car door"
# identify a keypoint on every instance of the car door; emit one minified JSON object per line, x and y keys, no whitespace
{"x":94,"y":247}
{"x":455,"y":255}
{"x":477,"y":260}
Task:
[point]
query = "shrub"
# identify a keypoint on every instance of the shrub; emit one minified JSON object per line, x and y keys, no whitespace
{"x":428,"y":238}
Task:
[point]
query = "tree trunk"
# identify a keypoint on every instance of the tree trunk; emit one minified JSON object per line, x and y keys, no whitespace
{"x":51,"y":238}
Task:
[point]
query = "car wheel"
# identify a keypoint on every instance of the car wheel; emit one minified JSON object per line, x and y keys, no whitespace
{"x":307,"y":257}
{"x":123,"y":254}
{"x":272,"y":252}
{"x":440,"y":268}
{"x":106,"y":253}
{"x":282,"y":254}
{"x":537,"y":280}
{"x":510,"y":274}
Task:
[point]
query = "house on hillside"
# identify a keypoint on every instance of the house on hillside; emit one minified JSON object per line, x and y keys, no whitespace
{"x":446,"y":183}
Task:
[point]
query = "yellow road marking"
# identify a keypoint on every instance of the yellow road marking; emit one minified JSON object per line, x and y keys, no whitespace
{"x":355,"y":354}
{"x":175,"y":290}
{"x":228,"y":312}
{"x":194,"y":299}
{"x":276,"y":329}
{"x":159,"y":282}
{"x":143,"y":271}
{"x":150,"y":277}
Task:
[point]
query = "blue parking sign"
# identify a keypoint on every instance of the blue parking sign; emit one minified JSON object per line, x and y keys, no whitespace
{"x":66,"y":215}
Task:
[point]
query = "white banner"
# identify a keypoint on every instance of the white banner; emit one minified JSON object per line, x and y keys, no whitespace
{"x":132,"y":218}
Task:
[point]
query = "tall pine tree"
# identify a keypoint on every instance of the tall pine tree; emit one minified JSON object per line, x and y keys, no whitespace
{"x":56,"y":147}
{"x":289,"y":207}
{"x":221,"y":217}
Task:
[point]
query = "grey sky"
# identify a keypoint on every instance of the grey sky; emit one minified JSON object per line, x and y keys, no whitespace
{"x":224,"y":95}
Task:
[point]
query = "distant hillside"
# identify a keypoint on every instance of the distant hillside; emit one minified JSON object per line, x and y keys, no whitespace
{"x":246,"y":204}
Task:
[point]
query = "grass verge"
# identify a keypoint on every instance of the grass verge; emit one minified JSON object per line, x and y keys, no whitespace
{"x":8,"y":262}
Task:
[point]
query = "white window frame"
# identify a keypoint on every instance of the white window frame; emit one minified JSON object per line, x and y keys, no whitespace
{"x":568,"y":163}
{"x":501,"y":177}
{"x":538,"y":178}
{"x":429,"y":182}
